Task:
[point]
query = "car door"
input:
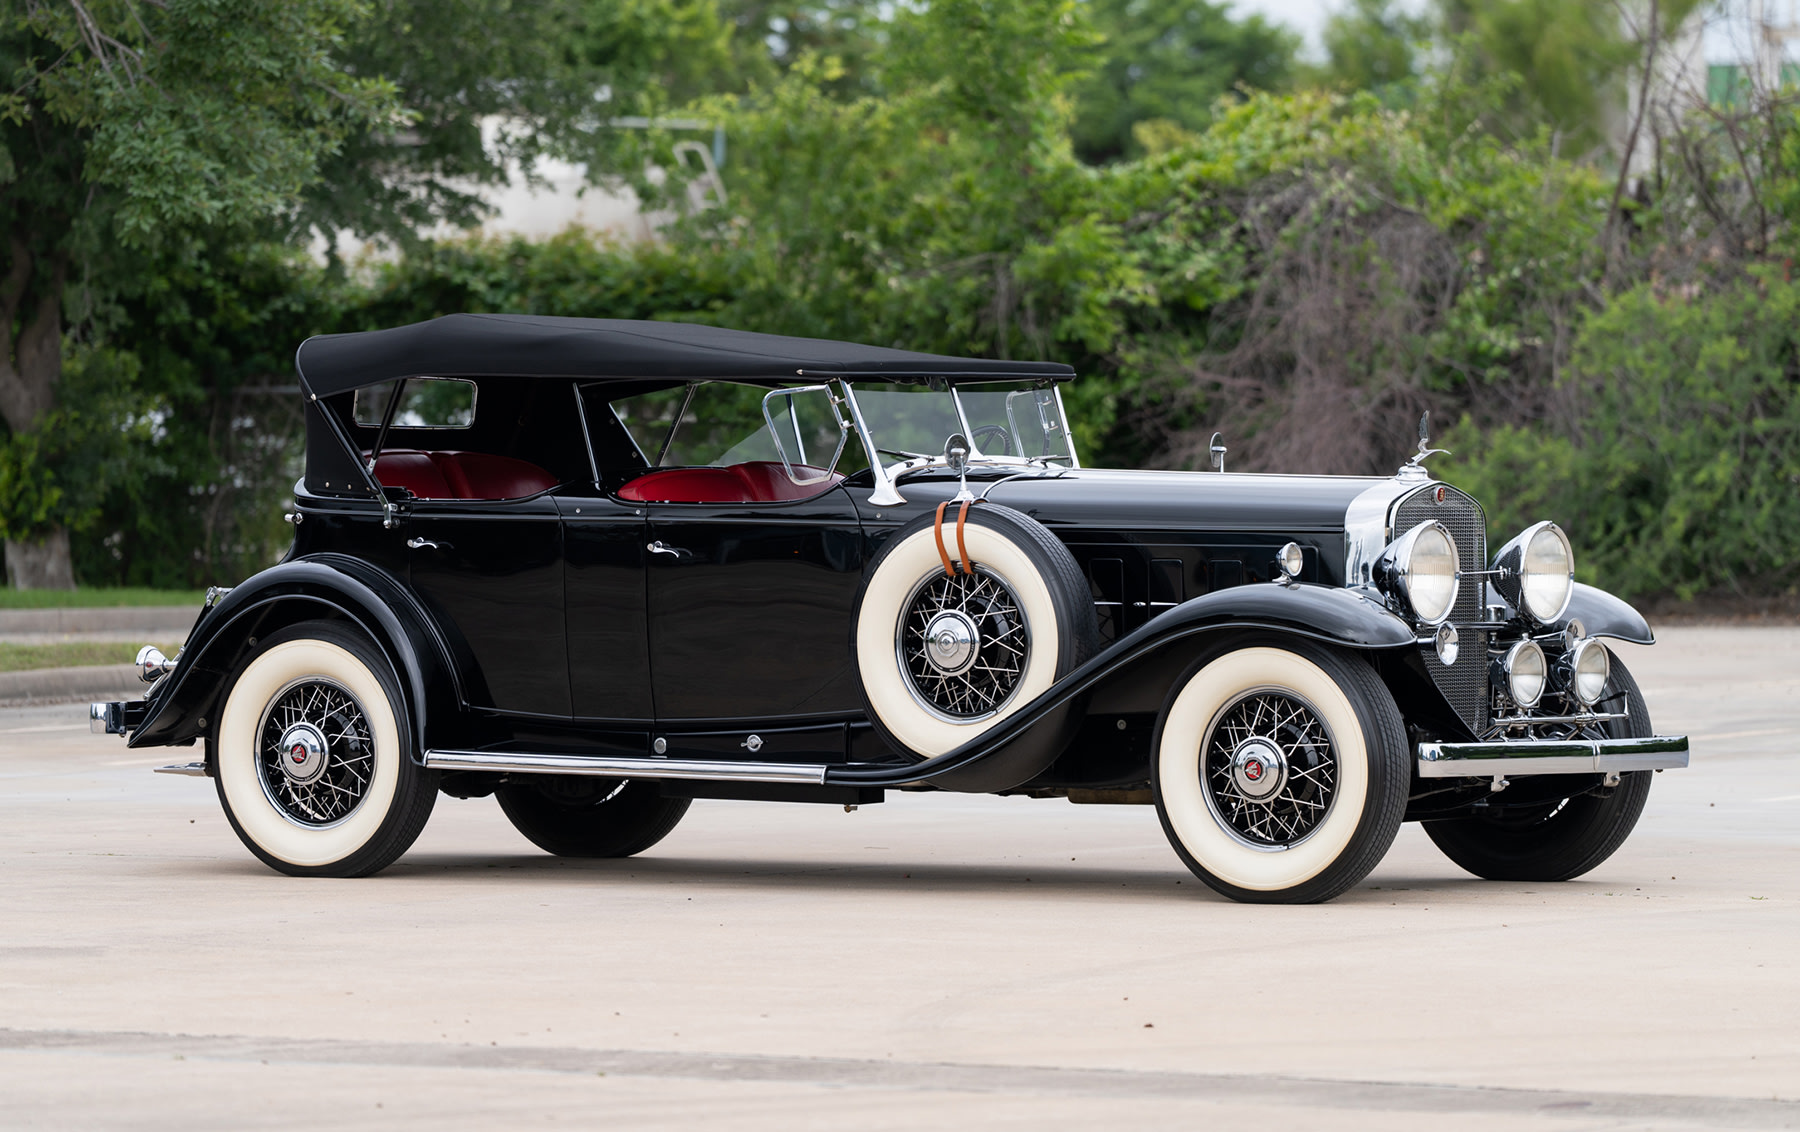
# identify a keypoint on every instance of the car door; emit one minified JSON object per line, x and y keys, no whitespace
{"x":609,"y":650}
{"x":492,"y":571}
{"x":749,"y":609}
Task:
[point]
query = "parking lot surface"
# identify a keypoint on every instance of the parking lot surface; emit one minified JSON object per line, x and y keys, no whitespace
{"x":934,"y":959}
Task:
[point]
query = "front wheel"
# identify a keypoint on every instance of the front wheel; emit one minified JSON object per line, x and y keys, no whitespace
{"x":1563,"y":838}
{"x":1279,"y":770}
{"x":314,"y":769}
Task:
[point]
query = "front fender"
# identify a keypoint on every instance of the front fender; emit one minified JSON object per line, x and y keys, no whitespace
{"x":181,"y":706}
{"x":1134,"y":674}
{"x":1604,"y":615}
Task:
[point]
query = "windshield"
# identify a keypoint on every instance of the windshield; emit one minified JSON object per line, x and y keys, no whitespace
{"x":1003,"y":419}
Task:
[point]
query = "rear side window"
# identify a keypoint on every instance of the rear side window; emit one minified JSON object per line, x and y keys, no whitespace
{"x":426,"y":402}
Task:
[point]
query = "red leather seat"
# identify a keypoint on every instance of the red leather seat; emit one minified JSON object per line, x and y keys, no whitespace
{"x":461,"y":475}
{"x":414,"y":471}
{"x":478,"y":475}
{"x":758,"y":481}
{"x":768,"y":482}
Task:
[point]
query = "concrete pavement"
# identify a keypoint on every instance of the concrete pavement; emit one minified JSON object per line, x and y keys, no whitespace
{"x":934,"y":959}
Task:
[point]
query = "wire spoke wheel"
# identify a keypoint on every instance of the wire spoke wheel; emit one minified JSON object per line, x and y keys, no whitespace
{"x":315,"y":753}
{"x":963,"y":644}
{"x":1269,"y":769}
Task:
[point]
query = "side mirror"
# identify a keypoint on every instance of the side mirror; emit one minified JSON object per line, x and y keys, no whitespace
{"x":956,"y":452}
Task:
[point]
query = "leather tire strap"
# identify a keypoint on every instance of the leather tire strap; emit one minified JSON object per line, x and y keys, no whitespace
{"x":962,"y":548}
{"x":937,"y":529}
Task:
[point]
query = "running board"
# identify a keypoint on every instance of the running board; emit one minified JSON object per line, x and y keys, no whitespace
{"x":708,"y":770}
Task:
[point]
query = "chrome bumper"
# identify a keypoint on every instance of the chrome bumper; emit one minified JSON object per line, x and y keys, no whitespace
{"x":1551,"y":756}
{"x":115,"y":718}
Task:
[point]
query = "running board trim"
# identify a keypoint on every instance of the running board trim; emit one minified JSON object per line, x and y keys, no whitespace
{"x":707,"y":770}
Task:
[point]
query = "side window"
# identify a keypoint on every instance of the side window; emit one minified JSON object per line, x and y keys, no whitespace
{"x":427,"y":402}
{"x":718,"y":424}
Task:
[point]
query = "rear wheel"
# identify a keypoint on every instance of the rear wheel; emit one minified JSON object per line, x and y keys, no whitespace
{"x":590,"y":817}
{"x":1279,"y":771}
{"x":313,"y":750}
{"x":1565,"y":837}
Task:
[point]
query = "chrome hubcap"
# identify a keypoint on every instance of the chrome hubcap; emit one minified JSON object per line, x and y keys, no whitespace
{"x":962,"y":644}
{"x":1259,"y":769}
{"x":951,"y":642}
{"x":1269,"y":769}
{"x":305,"y":752}
{"x":315,"y":753}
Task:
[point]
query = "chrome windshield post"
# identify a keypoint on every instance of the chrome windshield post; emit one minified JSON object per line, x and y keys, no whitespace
{"x":885,"y":493}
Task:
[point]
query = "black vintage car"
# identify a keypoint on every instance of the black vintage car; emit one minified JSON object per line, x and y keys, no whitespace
{"x":600,"y":568}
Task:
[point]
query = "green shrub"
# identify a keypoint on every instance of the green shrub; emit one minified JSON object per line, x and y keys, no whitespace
{"x":1676,"y":465}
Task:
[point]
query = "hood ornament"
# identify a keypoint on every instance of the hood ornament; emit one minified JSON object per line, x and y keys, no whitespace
{"x":1414,"y":469}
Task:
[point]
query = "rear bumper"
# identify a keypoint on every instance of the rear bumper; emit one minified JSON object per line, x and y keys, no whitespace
{"x":115,"y":718}
{"x":1544,"y":756}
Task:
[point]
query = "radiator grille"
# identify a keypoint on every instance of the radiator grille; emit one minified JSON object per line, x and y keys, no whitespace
{"x":1464,"y":684}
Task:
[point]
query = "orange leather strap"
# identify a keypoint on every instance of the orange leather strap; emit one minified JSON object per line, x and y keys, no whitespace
{"x":962,"y":548}
{"x":937,"y":529}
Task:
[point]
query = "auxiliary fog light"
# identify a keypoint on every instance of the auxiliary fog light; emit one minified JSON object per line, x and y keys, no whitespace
{"x":1592,"y":668}
{"x":1525,"y":672}
{"x":1449,"y":645}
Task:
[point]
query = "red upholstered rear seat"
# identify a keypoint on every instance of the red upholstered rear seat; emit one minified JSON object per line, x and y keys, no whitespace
{"x":461,"y":475}
{"x":758,"y":481}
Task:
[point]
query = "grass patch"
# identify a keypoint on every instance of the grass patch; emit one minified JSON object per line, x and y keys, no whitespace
{"x":72,"y":654}
{"x":99,"y":597}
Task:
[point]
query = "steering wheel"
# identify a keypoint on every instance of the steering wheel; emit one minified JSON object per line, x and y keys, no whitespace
{"x":982,"y":432}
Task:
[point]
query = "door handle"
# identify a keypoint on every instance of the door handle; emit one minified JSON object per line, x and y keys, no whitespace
{"x":661,"y":547}
{"x":421,"y":543}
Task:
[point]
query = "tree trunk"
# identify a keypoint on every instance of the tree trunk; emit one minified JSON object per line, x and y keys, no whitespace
{"x":41,"y":565}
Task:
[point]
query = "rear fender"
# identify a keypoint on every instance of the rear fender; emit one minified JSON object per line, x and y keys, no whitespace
{"x":1135,"y":673}
{"x":184,"y":705}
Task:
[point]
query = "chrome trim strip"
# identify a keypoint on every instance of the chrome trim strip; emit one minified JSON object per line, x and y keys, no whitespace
{"x":712,"y":770}
{"x":1551,"y":756}
{"x":192,"y":770}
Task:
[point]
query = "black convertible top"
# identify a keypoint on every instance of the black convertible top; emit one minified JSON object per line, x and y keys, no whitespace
{"x":523,"y":345}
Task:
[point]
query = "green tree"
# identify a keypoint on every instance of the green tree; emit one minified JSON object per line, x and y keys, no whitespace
{"x":1374,"y":45}
{"x":490,"y":87}
{"x":1168,"y":61}
{"x":127,"y":123}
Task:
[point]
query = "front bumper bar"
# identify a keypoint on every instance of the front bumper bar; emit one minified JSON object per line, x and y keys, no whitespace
{"x":1551,"y":756}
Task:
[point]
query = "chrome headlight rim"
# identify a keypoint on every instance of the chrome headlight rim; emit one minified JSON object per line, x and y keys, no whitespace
{"x":1399,"y":574}
{"x":1582,"y":667}
{"x":1516,"y":666}
{"x":1511,"y":575}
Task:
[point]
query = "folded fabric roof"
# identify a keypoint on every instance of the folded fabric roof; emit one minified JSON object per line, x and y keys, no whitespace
{"x":523,"y":345}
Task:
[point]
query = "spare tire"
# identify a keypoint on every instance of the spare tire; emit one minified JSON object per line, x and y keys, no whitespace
{"x":943,"y":656}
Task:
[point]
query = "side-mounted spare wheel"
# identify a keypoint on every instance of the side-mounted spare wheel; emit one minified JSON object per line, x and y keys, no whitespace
{"x":590,"y":817}
{"x":314,"y":758}
{"x":1279,"y":770}
{"x":944,"y":654}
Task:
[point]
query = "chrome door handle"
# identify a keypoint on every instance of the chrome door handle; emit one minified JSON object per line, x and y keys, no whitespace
{"x":661,"y":547}
{"x":421,"y":543}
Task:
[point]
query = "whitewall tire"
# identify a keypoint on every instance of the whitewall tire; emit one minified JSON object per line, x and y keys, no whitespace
{"x":313,"y":758}
{"x":943,"y":658}
{"x":1279,"y":770}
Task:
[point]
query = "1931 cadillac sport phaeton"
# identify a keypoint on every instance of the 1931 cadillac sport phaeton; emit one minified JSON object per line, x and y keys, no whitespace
{"x":600,"y":568}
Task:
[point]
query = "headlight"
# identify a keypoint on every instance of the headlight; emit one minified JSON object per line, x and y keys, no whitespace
{"x":1590,"y":669}
{"x":1539,"y":572}
{"x":1525,"y":671}
{"x":1421,"y":569}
